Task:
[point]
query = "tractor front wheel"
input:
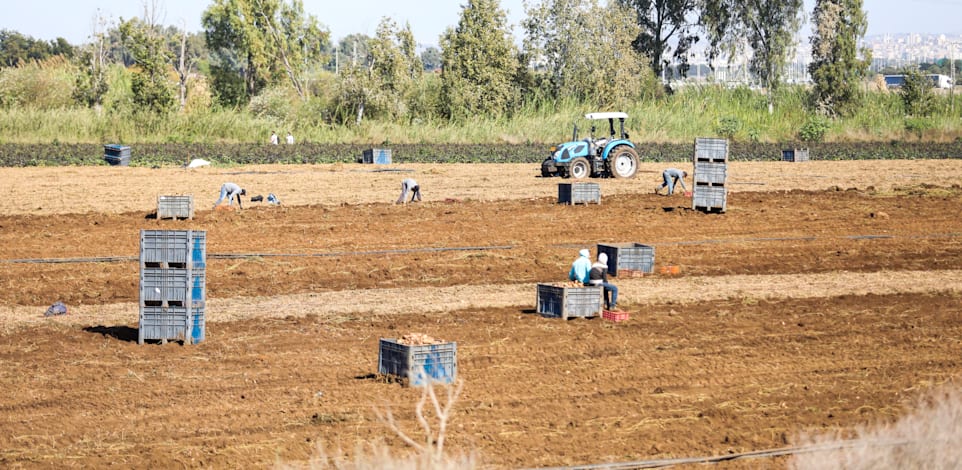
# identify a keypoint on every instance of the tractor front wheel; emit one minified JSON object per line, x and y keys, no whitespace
{"x":623,"y":162}
{"x":579,"y":168}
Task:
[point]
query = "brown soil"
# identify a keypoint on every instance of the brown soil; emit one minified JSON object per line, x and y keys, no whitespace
{"x":826,"y":297}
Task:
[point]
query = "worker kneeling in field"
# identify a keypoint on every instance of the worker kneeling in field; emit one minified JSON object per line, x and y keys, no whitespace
{"x":581,"y":267}
{"x":671,"y":177}
{"x":598,"y":276}
{"x":409,"y":185}
{"x":230,"y":191}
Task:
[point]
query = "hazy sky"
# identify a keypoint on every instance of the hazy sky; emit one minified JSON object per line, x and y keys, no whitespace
{"x":73,"y":19}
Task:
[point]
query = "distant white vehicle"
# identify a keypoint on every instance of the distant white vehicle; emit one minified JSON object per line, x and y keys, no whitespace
{"x":938,"y":80}
{"x":197,"y":163}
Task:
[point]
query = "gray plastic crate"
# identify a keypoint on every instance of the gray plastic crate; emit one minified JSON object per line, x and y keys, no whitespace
{"x":173,"y":248}
{"x":579,"y":193}
{"x":175,"y":207}
{"x":569,"y":302}
{"x":172,"y":286}
{"x":116,"y":154}
{"x":711,"y":150}
{"x":420,"y":364}
{"x":795,"y":155}
{"x":714,"y":173}
{"x":631,"y":256}
{"x":173,"y":323}
{"x":377,"y":156}
{"x":709,"y":198}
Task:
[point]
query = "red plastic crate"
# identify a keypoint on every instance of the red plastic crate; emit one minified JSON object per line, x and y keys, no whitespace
{"x":615,"y":316}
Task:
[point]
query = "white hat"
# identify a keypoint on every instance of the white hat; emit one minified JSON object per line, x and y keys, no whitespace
{"x":602,"y":258}
{"x":584,"y":252}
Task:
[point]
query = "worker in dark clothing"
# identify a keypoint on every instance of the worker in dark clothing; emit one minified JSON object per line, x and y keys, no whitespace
{"x":671,"y":177}
{"x":598,"y":276}
{"x":229,"y":191}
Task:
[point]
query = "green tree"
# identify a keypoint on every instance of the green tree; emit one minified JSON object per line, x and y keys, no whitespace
{"x":149,"y":84}
{"x":836,"y":69}
{"x":574,"y":40}
{"x":431,"y":58}
{"x":381,"y":82}
{"x":17,"y":49}
{"x":767,"y":27}
{"x":351,"y":50}
{"x":263,"y":41}
{"x":91,"y":83}
{"x":663,"y":23}
{"x":479,"y":62}
{"x":916,"y":93}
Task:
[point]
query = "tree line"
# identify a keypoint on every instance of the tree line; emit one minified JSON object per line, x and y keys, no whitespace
{"x":268,"y":54}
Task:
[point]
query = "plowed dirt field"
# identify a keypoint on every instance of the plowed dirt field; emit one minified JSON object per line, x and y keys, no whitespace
{"x":825,"y":298}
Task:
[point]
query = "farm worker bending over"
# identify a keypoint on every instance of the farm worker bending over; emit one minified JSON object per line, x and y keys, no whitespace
{"x":598,"y":276}
{"x":581,"y":267}
{"x":672,"y":176}
{"x":229,"y":191}
{"x":409,"y":185}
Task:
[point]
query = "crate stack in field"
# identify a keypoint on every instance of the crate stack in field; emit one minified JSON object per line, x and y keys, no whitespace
{"x":173,"y":285}
{"x":711,"y":170}
{"x":117,"y":155}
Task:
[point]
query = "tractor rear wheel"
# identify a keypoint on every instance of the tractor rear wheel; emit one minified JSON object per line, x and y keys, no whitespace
{"x":579,"y":168}
{"x":623,"y":161}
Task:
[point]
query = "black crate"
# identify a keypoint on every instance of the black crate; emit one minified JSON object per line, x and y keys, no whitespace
{"x":629,"y":256}
{"x":569,"y":302}
{"x":579,"y":193}
{"x":419,"y":364}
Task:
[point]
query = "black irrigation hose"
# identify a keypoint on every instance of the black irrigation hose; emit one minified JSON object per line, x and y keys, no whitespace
{"x":832,"y":446}
{"x":117,"y":259}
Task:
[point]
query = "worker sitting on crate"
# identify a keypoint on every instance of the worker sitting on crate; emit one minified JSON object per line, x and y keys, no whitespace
{"x":598,"y":276}
{"x":230,"y":191}
{"x":581,"y":267}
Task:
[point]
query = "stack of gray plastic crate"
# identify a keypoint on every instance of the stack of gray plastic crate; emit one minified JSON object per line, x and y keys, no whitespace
{"x":711,"y":170}
{"x":173,"y":285}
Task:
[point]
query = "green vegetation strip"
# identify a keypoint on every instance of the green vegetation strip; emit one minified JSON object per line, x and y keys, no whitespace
{"x":174,"y":154}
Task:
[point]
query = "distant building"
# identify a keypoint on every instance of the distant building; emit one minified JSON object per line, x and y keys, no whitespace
{"x":938,"y":80}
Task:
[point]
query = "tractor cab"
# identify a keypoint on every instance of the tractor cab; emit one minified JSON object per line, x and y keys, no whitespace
{"x":604,"y":156}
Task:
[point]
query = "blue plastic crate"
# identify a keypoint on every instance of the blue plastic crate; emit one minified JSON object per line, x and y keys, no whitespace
{"x":377,"y":156}
{"x":173,"y":248}
{"x":420,"y":364}
{"x":171,"y":323}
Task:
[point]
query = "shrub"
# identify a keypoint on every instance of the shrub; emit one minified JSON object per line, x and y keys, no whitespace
{"x":814,"y":129}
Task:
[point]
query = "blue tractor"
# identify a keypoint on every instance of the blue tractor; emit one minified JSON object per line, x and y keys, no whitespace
{"x":613,"y":156}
